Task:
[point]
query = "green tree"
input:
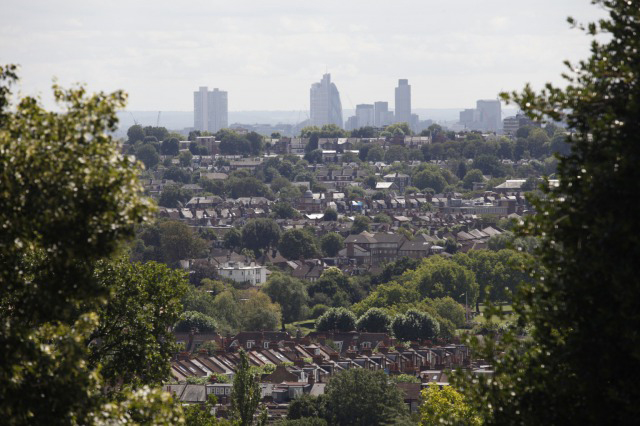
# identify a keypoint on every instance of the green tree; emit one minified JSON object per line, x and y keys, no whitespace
{"x":306,"y":406}
{"x":331,"y":243}
{"x":298,"y":243}
{"x":440,"y":277}
{"x":415,"y":325}
{"x":173,"y":196}
{"x":88,"y":199}
{"x":245,"y":393}
{"x":170,"y":147}
{"x":179,"y":242}
{"x":232,"y":239}
{"x":135,"y":134}
{"x":360,"y":223}
{"x":185,"y":158}
{"x":348,"y":403}
{"x":336,"y":319}
{"x":449,"y":309}
{"x":375,"y":320}
{"x":583,"y":305}
{"x":148,"y":155}
{"x":430,"y":179}
{"x":259,"y":313}
{"x":290,"y":293}
{"x":330,"y":214}
{"x":132,"y":341}
{"x":472,"y":176}
{"x":445,"y":405}
{"x":260,"y":234}
{"x":191,"y":320}
{"x":375,"y":153}
{"x":284,"y":210}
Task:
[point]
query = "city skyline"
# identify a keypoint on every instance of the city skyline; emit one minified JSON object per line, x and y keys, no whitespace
{"x":267,"y":56}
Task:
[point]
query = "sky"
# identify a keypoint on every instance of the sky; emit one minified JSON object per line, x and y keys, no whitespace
{"x":267,"y":53}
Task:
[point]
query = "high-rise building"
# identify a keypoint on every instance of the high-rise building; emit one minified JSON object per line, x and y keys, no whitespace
{"x":325,"y":103}
{"x":382,"y":115}
{"x":210,"y":109}
{"x":365,"y":115}
{"x":403,"y":101}
{"x":489,"y":115}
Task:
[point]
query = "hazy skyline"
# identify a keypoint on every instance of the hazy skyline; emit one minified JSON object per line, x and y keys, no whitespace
{"x":266,"y":54}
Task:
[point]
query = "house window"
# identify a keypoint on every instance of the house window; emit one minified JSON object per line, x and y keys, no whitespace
{"x":250,"y":344}
{"x":366,"y":345}
{"x":266,"y":345}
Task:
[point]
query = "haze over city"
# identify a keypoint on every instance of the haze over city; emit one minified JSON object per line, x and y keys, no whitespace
{"x":266,"y":54}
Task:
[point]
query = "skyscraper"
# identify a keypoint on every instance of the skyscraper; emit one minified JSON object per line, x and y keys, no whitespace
{"x":325,"y":103}
{"x":489,"y":115}
{"x":382,"y":114}
{"x":364,"y":115}
{"x":403,"y":102}
{"x":210,"y":109}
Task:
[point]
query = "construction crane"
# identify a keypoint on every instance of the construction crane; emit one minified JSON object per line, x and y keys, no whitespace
{"x":134,"y":119}
{"x":158,"y":119}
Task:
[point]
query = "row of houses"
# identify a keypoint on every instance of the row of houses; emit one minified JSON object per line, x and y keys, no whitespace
{"x":303,"y":365}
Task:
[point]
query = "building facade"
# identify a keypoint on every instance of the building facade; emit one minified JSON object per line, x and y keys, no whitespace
{"x":365,"y":115}
{"x":489,"y":115}
{"x":210,"y":109}
{"x":403,"y":102}
{"x":325,"y":105}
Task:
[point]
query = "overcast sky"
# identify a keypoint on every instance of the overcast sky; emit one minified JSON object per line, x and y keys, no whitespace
{"x":267,"y":53}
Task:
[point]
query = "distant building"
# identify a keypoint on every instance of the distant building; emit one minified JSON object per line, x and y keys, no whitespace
{"x":241,"y":272}
{"x":510,"y":125}
{"x":381,"y":114}
{"x":403,"y":102}
{"x":210,"y":109}
{"x":365,"y":115}
{"x":325,"y":106}
{"x":489,"y":115}
{"x":469,"y":118}
{"x":352,"y":123}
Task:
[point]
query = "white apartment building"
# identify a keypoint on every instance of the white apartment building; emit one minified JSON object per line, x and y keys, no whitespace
{"x":241,"y":272}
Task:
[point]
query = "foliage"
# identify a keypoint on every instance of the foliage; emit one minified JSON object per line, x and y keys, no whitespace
{"x":148,"y":154}
{"x":360,"y":223}
{"x":331,"y":243}
{"x":445,"y":406}
{"x":415,"y":325}
{"x":259,"y":313}
{"x":179,"y":242}
{"x":232,"y":239}
{"x":336,"y":319}
{"x":132,"y":341}
{"x":305,"y":406}
{"x":260,"y":234}
{"x":190,"y":320}
{"x":245,"y":393}
{"x":375,"y":320}
{"x":471,"y":177}
{"x":298,"y":243}
{"x":347,"y":404}
{"x":69,"y":199}
{"x":404,"y":378}
{"x":284,"y":210}
{"x":440,"y":277}
{"x":583,"y":305}
{"x":330,"y":214}
{"x":449,"y":309}
{"x":289,"y":293}
{"x":173,"y":197}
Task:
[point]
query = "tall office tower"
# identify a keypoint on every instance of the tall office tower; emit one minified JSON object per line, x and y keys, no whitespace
{"x":210,"y":109}
{"x":489,"y":115}
{"x":365,"y":115}
{"x":403,"y":101}
{"x":325,"y":103}
{"x":469,"y":118}
{"x":381,"y":114}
